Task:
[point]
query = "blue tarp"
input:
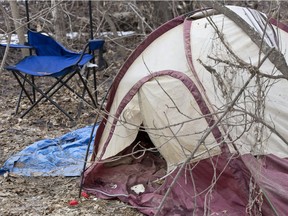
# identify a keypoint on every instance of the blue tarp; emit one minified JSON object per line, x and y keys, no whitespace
{"x":63,"y":156}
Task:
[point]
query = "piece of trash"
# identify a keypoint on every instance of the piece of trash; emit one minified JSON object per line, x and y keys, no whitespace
{"x":113,"y":186}
{"x":6,"y":174}
{"x":138,"y":188}
{"x":84,"y":194}
{"x":73,"y":203}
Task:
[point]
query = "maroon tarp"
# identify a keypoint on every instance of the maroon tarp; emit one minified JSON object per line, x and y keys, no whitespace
{"x":219,"y":185}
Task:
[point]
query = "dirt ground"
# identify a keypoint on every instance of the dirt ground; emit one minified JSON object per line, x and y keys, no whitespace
{"x":49,"y":195}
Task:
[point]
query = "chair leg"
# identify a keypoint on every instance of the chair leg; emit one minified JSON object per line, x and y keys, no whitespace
{"x":51,"y":91}
{"x":18,"y":102}
{"x":19,"y":98}
{"x":87,"y":89}
{"x":95,"y":84}
{"x":43,"y":96}
{"x":33,"y":90}
{"x":59,"y":81}
{"x":23,"y":89}
{"x":63,"y":83}
{"x":80,"y":106}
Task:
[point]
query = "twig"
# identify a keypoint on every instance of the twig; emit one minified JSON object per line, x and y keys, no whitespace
{"x":201,"y":141}
{"x":276,"y":57}
{"x":271,"y":128}
{"x":142,"y":18}
{"x":206,"y":134}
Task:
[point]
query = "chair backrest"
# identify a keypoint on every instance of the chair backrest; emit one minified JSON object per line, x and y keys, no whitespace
{"x":45,"y":45}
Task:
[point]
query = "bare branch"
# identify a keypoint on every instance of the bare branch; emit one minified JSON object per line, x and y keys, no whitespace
{"x":276,"y":57}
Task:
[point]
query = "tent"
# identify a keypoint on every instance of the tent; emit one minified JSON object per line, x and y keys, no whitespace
{"x":195,"y":121}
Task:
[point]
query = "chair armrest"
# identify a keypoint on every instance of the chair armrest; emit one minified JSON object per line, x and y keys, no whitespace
{"x":96,"y":44}
{"x":93,"y":45}
{"x":17,"y":46}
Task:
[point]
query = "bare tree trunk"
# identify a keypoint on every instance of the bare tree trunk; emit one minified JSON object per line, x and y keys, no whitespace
{"x":58,"y":22}
{"x":18,"y":24}
{"x":8,"y":26}
{"x":162,"y":13}
{"x":111,"y":24}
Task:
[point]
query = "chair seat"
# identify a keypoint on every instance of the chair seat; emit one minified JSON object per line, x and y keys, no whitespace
{"x":48,"y":65}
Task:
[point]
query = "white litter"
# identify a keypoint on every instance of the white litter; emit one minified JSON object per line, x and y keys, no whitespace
{"x":138,"y":188}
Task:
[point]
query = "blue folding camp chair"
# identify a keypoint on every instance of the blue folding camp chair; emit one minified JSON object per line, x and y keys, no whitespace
{"x":51,"y":59}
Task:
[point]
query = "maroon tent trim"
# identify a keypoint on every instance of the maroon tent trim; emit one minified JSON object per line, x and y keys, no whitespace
{"x":190,"y":86}
{"x":187,"y":25}
{"x":279,"y":24}
{"x":153,"y":36}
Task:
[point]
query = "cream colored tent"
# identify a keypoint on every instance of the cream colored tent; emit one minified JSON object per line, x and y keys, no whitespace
{"x":179,"y":82}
